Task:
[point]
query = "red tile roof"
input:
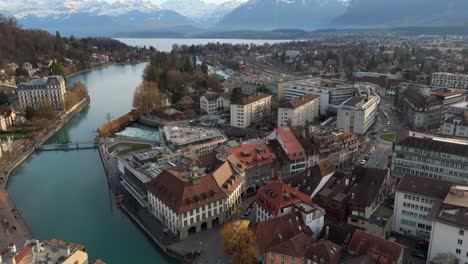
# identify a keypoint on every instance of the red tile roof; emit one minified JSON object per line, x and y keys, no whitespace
{"x":181,"y":194}
{"x":296,"y":246}
{"x":291,"y":145}
{"x":276,"y":195}
{"x":24,"y":254}
{"x":253,"y":154}
{"x":274,"y":231}
{"x":380,"y":250}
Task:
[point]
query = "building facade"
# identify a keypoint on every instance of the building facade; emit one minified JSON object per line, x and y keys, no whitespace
{"x":456,"y":126}
{"x":299,"y":111}
{"x":415,"y":198}
{"x":357,"y":114}
{"x":331,"y":91}
{"x":250,"y":109}
{"x":214,"y":103}
{"x":422,"y":155}
{"x":450,"y":80}
{"x":449,"y":236}
{"x":50,"y":90}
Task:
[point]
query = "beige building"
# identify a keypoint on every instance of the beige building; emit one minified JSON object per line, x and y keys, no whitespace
{"x":357,"y":114}
{"x":299,"y":111}
{"x":250,"y":110}
{"x":450,"y":80}
{"x":36,"y":92}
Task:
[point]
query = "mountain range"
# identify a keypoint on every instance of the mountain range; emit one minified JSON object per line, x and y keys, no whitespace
{"x":126,"y":17}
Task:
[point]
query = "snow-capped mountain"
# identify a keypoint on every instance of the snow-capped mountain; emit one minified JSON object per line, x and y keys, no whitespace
{"x":94,"y":17}
{"x":201,"y":11}
{"x":268,"y":14}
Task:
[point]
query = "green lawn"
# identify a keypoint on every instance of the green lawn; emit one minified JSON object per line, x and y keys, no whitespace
{"x":388,"y":137}
{"x":15,"y":134}
{"x":127,"y":147}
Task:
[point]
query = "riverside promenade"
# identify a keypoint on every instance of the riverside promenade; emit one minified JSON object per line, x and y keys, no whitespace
{"x":13,"y":228}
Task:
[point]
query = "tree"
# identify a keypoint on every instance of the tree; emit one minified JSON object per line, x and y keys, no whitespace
{"x":29,"y":112}
{"x":263,"y":89}
{"x":4,"y":100}
{"x":147,"y":97}
{"x":445,"y":258}
{"x":56,"y":69}
{"x":238,"y":242}
{"x":204,"y":68}
{"x":21,"y":72}
{"x":236,"y":96}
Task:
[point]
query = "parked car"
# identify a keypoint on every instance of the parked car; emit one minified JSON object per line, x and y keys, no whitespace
{"x":363,"y":162}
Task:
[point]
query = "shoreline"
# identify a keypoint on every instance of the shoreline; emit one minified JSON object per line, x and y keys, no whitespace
{"x":20,"y":230}
{"x":105,"y":65}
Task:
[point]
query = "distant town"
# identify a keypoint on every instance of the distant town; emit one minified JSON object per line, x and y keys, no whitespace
{"x":342,"y":149}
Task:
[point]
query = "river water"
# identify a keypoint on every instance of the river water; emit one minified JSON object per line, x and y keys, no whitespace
{"x":65,"y":195}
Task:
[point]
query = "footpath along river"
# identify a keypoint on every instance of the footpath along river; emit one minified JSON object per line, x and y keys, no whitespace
{"x":65,"y":195}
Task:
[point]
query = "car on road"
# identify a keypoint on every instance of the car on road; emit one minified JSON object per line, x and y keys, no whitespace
{"x":389,"y":123}
{"x":363,"y":162}
{"x":247,"y":211}
{"x":385,"y":130}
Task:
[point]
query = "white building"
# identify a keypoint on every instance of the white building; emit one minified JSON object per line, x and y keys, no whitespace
{"x":277,"y":199}
{"x":424,"y":155}
{"x":456,"y":126}
{"x":357,"y":114}
{"x":49,"y":90}
{"x":186,"y":200}
{"x":415,"y":198}
{"x":299,"y":111}
{"x":214,"y":103}
{"x":331,"y":92}
{"x":450,"y":80}
{"x":250,"y":110}
{"x":449,"y":235}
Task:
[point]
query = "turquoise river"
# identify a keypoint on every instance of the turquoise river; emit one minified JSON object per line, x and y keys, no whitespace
{"x":65,"y":195}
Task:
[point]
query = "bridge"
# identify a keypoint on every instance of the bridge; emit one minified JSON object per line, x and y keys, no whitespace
{"x":67,"y":146}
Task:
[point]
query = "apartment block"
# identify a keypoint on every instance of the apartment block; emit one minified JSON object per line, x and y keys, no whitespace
{"x":450,"y":80}
{"x":299,"y":111}
{"x":36,"y":92}
{"x":357,"y":114}
{"x":250,"y":109}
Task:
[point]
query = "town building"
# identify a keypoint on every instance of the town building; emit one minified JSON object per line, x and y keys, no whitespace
{"x":286,"y":239}
{"x":450,"y":80}
{"x":415,"y":199}
{"x":357,"y":114}
{"x":450,"y":228}
{"x":456,"y":109}
{"x":214,"y":103}
{"x":340,"y":147}
{"x":312,"y":180}
{"x":195,"y":141}
{"x":250,"y":110}
{"x":36,"y":92}
{"x":419,"y":111}
{"x":428,"y":156}
{"x":27,"y":66}
{"x":353,"y":197}
{"x":368,"y":193}
{"x":298,"y":111}
{"x":456,"y":126}
{"x":290,"y":155}
{"x":387,"y":81}
{"x":257,"y":160}
{"x":276,"y":199}
{"x":449,"y":97}
{"x":331,"y":91}
{"x":367,"y":248}
{"x":53,"y":251}
{"x":186,"y":200}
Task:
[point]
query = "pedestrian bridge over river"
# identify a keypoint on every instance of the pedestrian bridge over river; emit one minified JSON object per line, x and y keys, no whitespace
{"x":67,"y":146}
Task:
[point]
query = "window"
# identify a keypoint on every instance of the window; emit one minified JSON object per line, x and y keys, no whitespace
{"x":458,"y":251}
{"x":460,"y":242}
{"x":461,"y":232}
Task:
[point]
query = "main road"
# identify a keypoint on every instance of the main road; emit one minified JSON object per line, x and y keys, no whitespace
{"x":65,"y":195}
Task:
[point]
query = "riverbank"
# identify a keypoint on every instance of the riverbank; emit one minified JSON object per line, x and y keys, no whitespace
{"x":105,"y":65}
{"x":13,"y":227}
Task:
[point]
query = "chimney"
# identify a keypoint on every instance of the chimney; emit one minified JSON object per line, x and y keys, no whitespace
{"x":327,"y":232}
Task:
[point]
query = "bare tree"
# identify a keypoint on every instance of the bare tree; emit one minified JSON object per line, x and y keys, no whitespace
{"x":148,"y":97}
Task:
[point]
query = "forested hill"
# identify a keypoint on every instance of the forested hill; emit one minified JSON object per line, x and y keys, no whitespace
{"x":19,"y":45}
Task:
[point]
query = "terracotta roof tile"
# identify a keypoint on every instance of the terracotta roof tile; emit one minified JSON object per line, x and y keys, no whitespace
{"x":382,"y":251}
{"x":276,"y":195}
{"x":253,"y":154}
{"x":290,"y":143}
